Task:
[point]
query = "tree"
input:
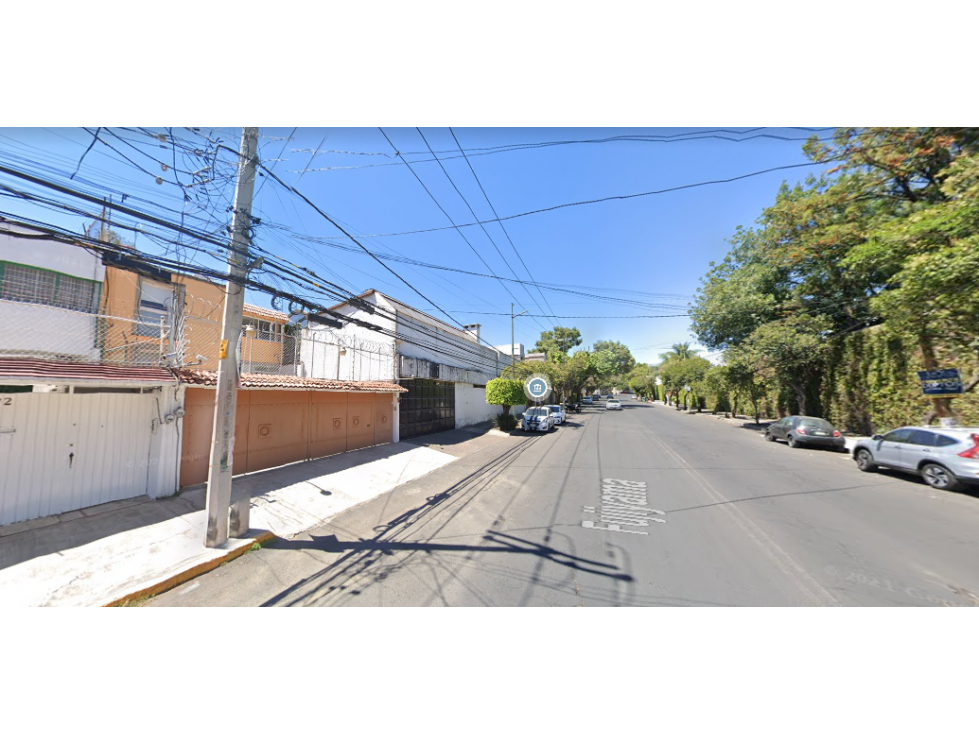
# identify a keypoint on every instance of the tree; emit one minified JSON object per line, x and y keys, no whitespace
{"x":556,"y":344}
{"x":677,"y":374}
{"x":505,"y":393}
{"x":679,"y":351}
{"x":619,"y":360}
{"x":642,"y":380}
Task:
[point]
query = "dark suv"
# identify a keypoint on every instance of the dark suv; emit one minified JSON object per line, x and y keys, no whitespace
{"x":803,"y":430}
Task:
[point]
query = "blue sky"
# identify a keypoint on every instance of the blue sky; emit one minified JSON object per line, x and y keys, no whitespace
{"x":640,"y":256}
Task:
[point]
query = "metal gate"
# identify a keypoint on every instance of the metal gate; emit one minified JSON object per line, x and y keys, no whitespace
{"x":277,"y":427}
{"x":427,"y":407}
{"x":62,"y":452}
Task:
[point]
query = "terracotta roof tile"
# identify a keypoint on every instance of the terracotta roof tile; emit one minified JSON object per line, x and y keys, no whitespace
{"x":289,"y":382}
{"x":264,"y":313}
{"x":42,"y":371}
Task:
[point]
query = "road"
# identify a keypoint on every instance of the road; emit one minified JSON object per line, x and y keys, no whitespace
{"x":700,"y":513}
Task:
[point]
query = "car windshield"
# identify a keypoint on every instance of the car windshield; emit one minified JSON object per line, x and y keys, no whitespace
{"x":816,"y":423}
{"x":536,"y":412}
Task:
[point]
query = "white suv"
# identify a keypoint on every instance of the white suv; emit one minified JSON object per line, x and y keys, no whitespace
{"x":943,"y":457}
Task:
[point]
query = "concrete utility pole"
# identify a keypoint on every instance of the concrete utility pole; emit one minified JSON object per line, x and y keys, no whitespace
{"x":512,"y":345}
{"x":226,"y":400}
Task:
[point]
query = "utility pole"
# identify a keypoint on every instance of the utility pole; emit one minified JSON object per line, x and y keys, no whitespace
{"x":226,"y":400}
{"x":512,"y":345}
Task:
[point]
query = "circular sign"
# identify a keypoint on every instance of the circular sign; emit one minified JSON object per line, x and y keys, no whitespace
{"x":536,"y":387}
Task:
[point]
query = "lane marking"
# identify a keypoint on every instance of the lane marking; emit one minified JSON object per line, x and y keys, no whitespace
{"x":623,"y":504}
{"x":803,"y":580}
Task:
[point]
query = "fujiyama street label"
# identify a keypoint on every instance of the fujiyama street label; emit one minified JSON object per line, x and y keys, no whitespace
{"x":623,"y":506}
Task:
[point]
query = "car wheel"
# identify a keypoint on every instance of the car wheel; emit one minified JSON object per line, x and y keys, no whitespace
{"x":793,"y":444}
{"x":937,"y":476}
{"x":769,"y":436}
{"x":865,"y":462}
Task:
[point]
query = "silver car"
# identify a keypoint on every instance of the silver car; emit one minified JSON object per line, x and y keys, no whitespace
{"x":943,"y":457}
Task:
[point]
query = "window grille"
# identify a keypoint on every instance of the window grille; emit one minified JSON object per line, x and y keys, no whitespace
{"x":34,"y":285}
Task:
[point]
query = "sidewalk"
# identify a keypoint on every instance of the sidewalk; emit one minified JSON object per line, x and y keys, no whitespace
{"x":117,"y":552}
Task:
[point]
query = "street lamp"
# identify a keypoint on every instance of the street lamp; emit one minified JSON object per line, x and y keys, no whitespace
{"x":512,"y":317}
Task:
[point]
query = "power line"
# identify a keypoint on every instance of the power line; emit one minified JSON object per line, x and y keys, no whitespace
{"x":495,"y":214}
{"x":471,"y":211}
{"x":448,"y":216}
{"x":621,"y":197}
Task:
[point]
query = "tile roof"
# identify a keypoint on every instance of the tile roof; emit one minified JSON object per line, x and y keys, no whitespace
{"x":289,"y":382}
{"x":265,"y":313}
{"x":42,"y":371}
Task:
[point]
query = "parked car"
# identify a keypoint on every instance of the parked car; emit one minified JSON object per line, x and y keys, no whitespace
{"x":613,"y":404}
{"x":558,"y":414}
{"x":587,"y":400}
{"x":943,"y":457}
{"x":537,"y":419}
{"x":804,"y":430}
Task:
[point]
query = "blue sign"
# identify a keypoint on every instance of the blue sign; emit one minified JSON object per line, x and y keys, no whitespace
{"x":537,"y":387}
{"x":938,"y":383}
{"x":931,"y":375}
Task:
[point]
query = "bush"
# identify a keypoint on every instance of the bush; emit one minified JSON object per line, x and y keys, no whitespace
{"x":505,"y":421}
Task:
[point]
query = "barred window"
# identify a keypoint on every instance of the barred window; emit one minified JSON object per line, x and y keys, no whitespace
{"x":264,"y":330}
{"x":33,"y":285}
{"x":155,"y":300}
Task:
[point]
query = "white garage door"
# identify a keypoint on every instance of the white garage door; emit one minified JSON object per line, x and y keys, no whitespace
{"x":61,"y":452}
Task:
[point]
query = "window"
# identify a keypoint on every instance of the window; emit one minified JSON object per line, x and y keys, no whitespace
{"x":817,"y":423}
{"x":901,"y":435}
{"x":922,"y":438}
{"x":155,"y":300}
{"x":941,"y":440}
{"x":35,"y":285}
{"x":265,"y":330}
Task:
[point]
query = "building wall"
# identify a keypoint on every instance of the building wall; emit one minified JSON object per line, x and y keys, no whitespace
{"x":471,"y":405}
{"x":32,"y":329}
{"x":369,"y":354}
{"x":203,"y":315}
{"x":50,"y":255}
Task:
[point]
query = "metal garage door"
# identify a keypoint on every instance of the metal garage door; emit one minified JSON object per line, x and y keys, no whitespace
{"x":62,"y":452}
{"x":277,"y":427}
{"x":427,"y":407}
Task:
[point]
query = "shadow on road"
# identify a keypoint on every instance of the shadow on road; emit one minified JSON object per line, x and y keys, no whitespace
{"x":355,"y":565}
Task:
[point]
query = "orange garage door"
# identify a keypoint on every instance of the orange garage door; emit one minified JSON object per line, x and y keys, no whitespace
{"x":276,"y":427}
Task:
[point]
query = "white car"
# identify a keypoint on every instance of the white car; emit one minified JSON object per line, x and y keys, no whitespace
{"x":557,"y":414}
{"x":613,"y":404}
{"x":537,"y":419}
{"x":944,"y":457}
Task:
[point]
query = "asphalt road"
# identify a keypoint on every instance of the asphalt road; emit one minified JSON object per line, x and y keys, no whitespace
{"x":640,"y":507}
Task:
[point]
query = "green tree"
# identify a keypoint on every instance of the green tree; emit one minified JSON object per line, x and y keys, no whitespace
{"x":505,"y":393}
{"x":556,"y":344}
{"x":679,"y":351}
{"x":619,"y":354}
{"x":677,"y":374}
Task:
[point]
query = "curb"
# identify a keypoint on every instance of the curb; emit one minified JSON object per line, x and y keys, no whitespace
{"x":193,"y":572}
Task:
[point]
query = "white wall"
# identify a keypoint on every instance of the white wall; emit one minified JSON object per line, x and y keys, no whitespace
{"x":50,"y":255}
{"x":28,"y":329}
{"x":471,"y":405}
{"x":45,"y":332}
{"x":369,"y":354}
{"x":420,"y":340}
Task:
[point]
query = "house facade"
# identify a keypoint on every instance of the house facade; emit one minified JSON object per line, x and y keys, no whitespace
{"x":443,"y":368}
{"x":107,"y":382}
